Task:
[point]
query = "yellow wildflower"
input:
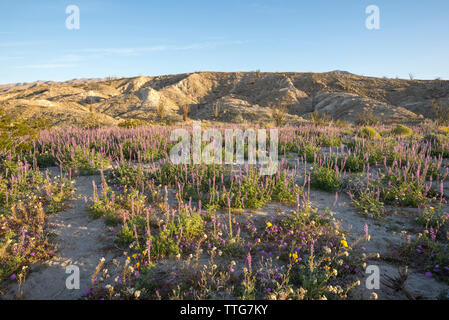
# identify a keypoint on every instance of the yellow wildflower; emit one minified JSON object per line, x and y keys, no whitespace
{"x":344,"y":243}
{"x":269,"y":224}
{"x":294,"y":256}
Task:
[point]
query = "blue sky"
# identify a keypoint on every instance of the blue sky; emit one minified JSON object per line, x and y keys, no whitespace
{"x":130,"y":38}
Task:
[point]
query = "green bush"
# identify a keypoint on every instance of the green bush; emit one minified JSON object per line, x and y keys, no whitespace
{"x":367,"y":203}
{"x":369,"y":133}
{"x":402,"y":131}
{"x":125,"y":235}
{"x":163,"y":245}
{"x":132,"y":123}
{"x":189,"y":226}
{"x":352,"y":162}
{"x":325,"y":179}
{"x":309,"y":151}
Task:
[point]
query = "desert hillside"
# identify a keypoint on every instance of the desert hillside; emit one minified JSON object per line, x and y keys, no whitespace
{"x":226,"y":97}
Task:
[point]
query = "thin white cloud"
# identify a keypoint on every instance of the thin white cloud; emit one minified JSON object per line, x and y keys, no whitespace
{"x":16,"y":44}
{"x":143,"y":50}
{"x":69,"y":58}
{"x":47,"y":66}
{"x":6,"y":58}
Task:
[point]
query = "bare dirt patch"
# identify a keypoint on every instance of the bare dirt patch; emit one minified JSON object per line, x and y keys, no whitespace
{"x":80,"y":241}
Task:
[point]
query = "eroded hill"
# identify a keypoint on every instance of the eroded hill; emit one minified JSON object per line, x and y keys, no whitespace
{"x":226,"y":97}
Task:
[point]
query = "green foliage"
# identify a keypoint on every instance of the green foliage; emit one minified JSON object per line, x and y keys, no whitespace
{"x":369,"y":133}
{"x":320,"y":119}
{"x":163,"y":245}
{"x":278,"y":114}
{"x":367,"y":118}
{"x":102,"y":209}
{"x":353,"y":163}
{"x":125,"y":235}
{"x":84,"y":161}
{"x":310,"y":152}
{"x":326,"y":141}
{"x":187,"y":226}
{"x":404,"y":193}
{"x":91,"y":120}
{"x":440,"y":112}
{"x":325,"y":178}
{"x":402,"y":131}
{"x":132,"y":123}
{"x":286,"y":190}
{"x":18,"y":134}
{"x":367,"y":203}
{"x":434,"y":218}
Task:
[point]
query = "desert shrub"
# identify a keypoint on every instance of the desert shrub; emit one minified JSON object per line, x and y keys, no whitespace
{"x":342,"y":124}
{"x":435,"y":218}
{"x":352,"y":162}
{"x":161,"y":109}
{"x":17,"y":135}
{"x":132,"y":123}
{"x":163,"y":245}
{"x":84,"y":161}
{"x":439,"y":144}
{"x":278,"y":115}
{"x":402,"y":131}
{"x":325,"y":178}
{"x":440,"y":112}
{"x":367,"y":118}
{"x":405,"y":193}
{"x":285,"y":189}
{"x":43,"y":159}
{"x":319,"y":119}
{"x":102,"y":209}
{"x":126,"y":175}
{"x":57,"y":197}
{"x":369,"y":133}
{"x":125,"y":236}
{"x":91,"y":120}
{"x":234,"y":248}
{"x":367,"y":203}
{"x":428,"y":253}
{"x":310,"y":152}
{"x":185,"y":109}
{"x":326,"y":141}
{"x":187,"y":226}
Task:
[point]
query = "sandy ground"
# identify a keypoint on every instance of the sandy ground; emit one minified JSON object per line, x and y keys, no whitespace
{"x":80,"y":241}
{"x":384,"y":233}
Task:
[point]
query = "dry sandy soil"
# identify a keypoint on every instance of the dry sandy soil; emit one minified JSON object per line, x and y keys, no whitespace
{"x":79,"y":240}
{"x":82,"y":241}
